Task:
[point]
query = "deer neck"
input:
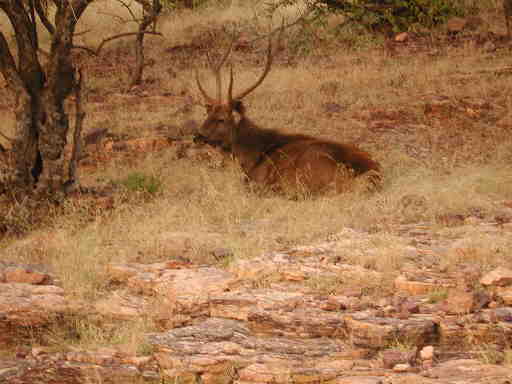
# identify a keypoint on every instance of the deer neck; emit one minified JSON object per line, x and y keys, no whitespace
{"x":251,"y":144}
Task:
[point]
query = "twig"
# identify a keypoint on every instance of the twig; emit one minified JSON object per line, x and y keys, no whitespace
{"x":42,"y":16}
{"x":82,"y":32}
{"x":127,"y":6}
{"x":119,"y":18}
{"x":124,"y":35}
{"x":87,"y":49}
{"x":283,"y":27}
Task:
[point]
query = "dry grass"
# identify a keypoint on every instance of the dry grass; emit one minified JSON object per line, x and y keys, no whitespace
{"x":88,"y":334}
{"x":456,"y":163}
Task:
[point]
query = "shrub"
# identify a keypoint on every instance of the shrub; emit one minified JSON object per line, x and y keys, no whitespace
{"x":387,"y":15}
{"x":139,"y":182}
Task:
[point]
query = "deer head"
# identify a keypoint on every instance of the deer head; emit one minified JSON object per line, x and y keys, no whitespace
{"x":223,"y":117}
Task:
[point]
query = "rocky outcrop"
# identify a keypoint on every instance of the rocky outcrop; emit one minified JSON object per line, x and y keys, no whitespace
{"x":268,"y":320}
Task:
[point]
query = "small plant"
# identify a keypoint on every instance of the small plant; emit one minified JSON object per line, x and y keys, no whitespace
{"x":507,"y":357}
{"x":437,"y":296}
{"x":490,"y":354}
{"x":325,"y":285}
{"x":139,"y":182}
{"x":397,"y":344}
{"x":145,"y":349}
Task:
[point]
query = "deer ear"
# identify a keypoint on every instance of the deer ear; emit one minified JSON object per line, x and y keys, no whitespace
{"x":238,"y":106}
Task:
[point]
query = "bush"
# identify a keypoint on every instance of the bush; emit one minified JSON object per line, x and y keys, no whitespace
{"x":139,"y":182}
{"x":388,"y":15}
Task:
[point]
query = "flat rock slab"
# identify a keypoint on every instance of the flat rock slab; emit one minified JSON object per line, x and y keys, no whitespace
{"x":123,"y":306}
{"x":215,"y":344}
{"x":468,"y":371}
{"x":421,"y":284}
{"x":61,"y":371}
{"x":171,"y":280}
{"x":223,"y":351}
{"x":489,"y":327}
{"x":279,"y":313}
{"x":366,"y":330}
{"x":27,"y":307}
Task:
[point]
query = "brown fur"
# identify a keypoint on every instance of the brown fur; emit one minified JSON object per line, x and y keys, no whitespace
{"x":274,"y":160}
{"x":285,"y":162}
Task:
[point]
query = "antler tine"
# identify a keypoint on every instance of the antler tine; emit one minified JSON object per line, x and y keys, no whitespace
{"x":268,"y":65}
{"x":226,"y":55}
{"x":209,"y":99}
{"x":219,"y":65}
{"x":230,"y":86}
{"x":215,"y":68}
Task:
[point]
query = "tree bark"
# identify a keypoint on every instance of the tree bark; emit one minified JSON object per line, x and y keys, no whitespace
{"x":26,"y":109}
{"x":42,"y":123}
{"x":151,"y":10}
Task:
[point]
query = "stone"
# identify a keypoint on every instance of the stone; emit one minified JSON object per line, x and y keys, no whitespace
{"x":274,"y":312}
{"x":121,"y":305}
{"x":359,"y":380}
{"x":499,"y":277}
{"x":401,"y":367}
{"x":468,"y":371}
{"x":505,"y":294}
{"x":216,"y":344}
{"x":332,"y":108}
{"x":25,"y":308}
{"x":391,"y":358}
{"x":402,"y":37}
{"x":144,"y":144}
{"x":427,"y":353}
{"x":376,"y":332}
{"x":460,"y":301}
{"x":21,"y":274}
{"x":456,"y":24}
{"x":427,"y":364}
{"x":94,"y":136}
{"x":415,"y":287}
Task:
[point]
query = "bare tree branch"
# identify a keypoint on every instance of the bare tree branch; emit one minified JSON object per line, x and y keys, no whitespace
{"x":87,"y":49}
{"x":128,"y":8}
{"x":29,"y":67}
{"x":284,"y":26}
{"x":124,"y":35}
{"x":8,"y":65}
{"x":82,"y":32}
{"x":117,"y":17}
{"x":6,"y":137}
{"x":42,"y":16}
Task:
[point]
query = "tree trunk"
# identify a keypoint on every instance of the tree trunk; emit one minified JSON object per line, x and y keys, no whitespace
{"x":139,"y":59}
{"x":42,"y":123}
{"x":151,"y":10}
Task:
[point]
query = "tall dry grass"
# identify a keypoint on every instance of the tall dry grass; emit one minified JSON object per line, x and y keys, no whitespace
{"x":195,"y":198}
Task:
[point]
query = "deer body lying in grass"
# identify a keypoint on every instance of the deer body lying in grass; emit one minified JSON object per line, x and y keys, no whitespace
{"x":289,"y":163}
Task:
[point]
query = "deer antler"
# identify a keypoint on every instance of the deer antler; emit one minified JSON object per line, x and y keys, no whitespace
{"x":203,"y":92}
{"x":268,"y":65}
{"x":215,"y":68}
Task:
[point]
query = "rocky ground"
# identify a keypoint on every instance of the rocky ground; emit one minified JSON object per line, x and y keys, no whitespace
{"x":300,"y":314}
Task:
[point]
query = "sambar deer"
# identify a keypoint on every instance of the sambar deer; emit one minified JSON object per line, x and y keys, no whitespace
{"x":286,"y":163}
